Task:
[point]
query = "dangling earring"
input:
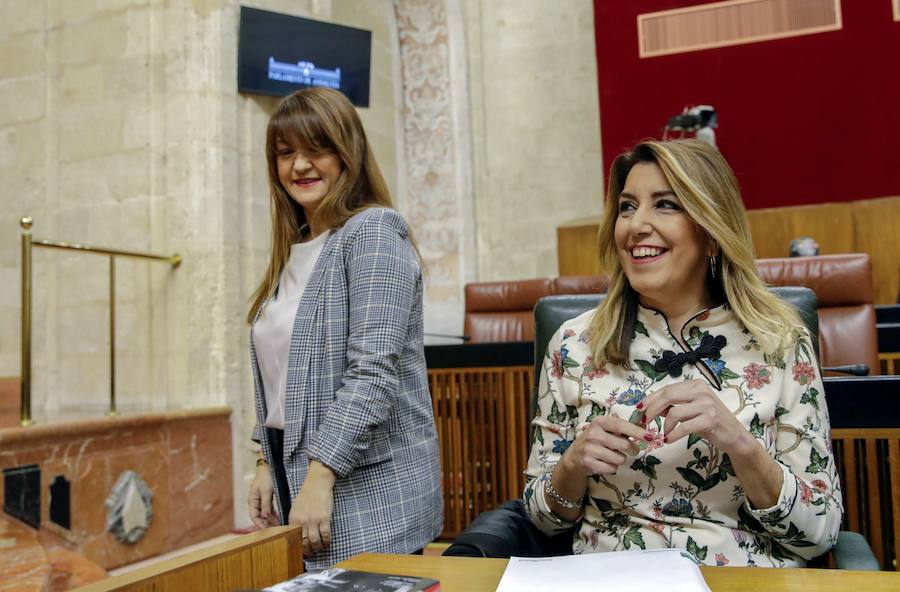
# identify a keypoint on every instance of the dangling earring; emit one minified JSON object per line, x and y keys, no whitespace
{"x":712,"y":265}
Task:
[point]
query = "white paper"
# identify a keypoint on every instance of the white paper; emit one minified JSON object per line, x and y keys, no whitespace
{"x":664,"y":569}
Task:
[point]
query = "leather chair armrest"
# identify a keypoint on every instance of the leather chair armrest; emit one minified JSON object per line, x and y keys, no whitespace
{"x":506,"y":532}
{"x":853,"y":552}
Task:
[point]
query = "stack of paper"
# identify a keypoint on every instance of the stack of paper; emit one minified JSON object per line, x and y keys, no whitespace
{"x":671,"y":570}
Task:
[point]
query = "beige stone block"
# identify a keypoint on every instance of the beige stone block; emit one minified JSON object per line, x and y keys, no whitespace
{"x":84,"y":329}
{"x":117,"y":5}
{"x":22,"y":99}
{"x":82,"y":277}
{"x":9,"y":288}
{"x":91,"y":131}
{"x":139,"y":33}
{"x":136,"y":133}
{"x":21,"y":55}
{"x":135,"y":232}
{"x":22,"y":145}
{"x":20,"y":16}
{"x":106,"y":225}
{"x":62,"y":12}
{"x":83,"y":183}
{"x":130,"y":176}
{"x":100,"y":39}
{"x":83,"y":84}
{"x":128,"y":79}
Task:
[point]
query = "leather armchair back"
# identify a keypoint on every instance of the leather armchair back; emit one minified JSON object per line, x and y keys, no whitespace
{"x":504,"y":311}
{"x":845,"y":293}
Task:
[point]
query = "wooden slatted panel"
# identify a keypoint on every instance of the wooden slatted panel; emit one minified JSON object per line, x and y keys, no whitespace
{"x":894,"y":464}
{"x":869,"y":466}
{"x":873,"y":500}
{"x":890,"y":362}
{"x":252,"y":561}
{"x":733,"y":22}
{"x":481,"y":420}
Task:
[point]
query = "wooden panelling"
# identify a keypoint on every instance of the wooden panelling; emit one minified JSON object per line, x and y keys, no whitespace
{"x":868,"y":462}
{"x":867,"y":226}
{"x":482,"y":423}
{"x":253,"y":561}
{"x":877,"y":232}
{"x":576,"y":247}
{"x":831,"y":225}
{"x":890,"y":363}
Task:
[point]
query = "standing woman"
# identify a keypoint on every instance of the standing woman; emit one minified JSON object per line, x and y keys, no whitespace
{"x":344,"y":416}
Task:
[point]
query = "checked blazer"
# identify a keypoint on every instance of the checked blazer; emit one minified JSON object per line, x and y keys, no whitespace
{"x":357,"y":397}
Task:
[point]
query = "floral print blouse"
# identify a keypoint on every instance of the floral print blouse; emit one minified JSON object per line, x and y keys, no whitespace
{"x":685,"y":494}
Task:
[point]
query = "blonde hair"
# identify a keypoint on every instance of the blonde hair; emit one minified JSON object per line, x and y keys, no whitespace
{"x":708,"y":191}
{"x":324,"y":121}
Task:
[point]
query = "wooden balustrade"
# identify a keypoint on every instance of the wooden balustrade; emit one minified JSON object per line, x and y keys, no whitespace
{"x":868,"y":462}
{"x":252,"y":561}
{"x":482,"y":422}
{"x":890,"y":363}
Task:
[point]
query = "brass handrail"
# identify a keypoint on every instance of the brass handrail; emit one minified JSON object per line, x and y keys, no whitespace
{"x":28,"y":241}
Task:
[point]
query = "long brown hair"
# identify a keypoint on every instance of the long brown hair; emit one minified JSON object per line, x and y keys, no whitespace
{"x":708,"y":191}
{"x":324,"y":121}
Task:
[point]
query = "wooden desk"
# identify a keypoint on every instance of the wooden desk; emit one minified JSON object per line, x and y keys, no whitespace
{"x":464,"y":574}
{"x":251,"y":561}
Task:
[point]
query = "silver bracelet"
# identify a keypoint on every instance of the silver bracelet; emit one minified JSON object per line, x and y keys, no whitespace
{"x":567,"y":504}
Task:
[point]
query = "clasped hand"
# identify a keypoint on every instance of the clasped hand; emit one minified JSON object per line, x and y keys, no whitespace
{"x":690,"y":407}
{"x":602,"y":445}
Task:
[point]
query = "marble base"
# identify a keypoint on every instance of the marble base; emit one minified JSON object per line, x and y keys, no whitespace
{"x":184,"y":457}
{"x":31,"y":562}
{"x":24,"y":565}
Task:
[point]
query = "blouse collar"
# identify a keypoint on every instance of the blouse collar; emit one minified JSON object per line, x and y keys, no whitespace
{"x":712,"y":320}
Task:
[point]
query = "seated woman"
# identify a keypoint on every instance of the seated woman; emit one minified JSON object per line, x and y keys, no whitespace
{"x":687,"y":409}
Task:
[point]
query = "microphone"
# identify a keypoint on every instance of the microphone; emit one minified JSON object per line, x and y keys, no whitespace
{"x":464,"y":337}
{"x":854,"y":369}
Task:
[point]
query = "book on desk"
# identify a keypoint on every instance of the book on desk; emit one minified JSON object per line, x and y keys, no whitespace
{"x":337,"y":579}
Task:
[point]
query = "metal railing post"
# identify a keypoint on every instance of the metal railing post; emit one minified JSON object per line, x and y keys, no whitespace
{"x":112,"y":336}
{"x":25,"y":386}
{"x":28,"y":242}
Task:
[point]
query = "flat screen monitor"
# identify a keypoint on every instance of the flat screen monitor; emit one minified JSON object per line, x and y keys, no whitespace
{"x":279,"y":54}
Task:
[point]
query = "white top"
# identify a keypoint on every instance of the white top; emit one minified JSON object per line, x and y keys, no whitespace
{"x":275,"y":325}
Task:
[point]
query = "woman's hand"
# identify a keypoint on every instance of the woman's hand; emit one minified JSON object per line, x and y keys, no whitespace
{"x":260,"y":497}
{"x":690,"y":407}
{"x":601,"y":446}
{"x":313,"y":506}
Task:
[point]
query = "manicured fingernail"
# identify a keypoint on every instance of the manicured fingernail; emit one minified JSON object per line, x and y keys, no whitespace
{"x":666,"y":439}
{"x":640,"y":405}
{"x":643,"y":421}
{"x":648,"y":437}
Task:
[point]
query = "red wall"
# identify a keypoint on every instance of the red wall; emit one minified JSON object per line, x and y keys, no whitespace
{"x":802,"y":120}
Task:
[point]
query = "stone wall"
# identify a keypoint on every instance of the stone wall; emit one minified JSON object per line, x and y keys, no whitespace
{"x":535,"y":129}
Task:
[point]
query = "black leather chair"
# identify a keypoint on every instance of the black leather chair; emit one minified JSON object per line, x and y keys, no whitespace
{"x":507,"y":531}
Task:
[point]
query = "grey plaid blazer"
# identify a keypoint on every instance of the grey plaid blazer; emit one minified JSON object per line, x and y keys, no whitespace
{"x":357,"y":395}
